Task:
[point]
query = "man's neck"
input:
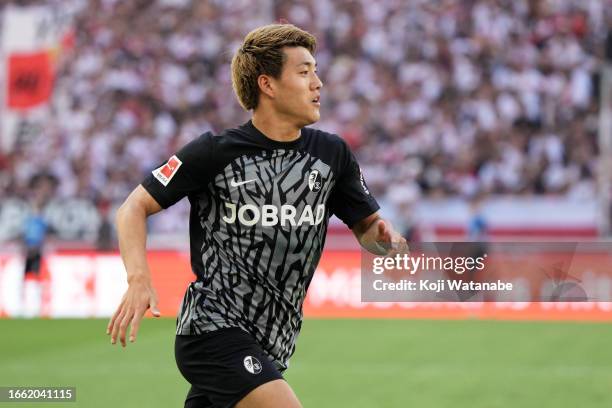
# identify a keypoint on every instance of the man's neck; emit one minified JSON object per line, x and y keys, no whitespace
{"x":275,"y":128}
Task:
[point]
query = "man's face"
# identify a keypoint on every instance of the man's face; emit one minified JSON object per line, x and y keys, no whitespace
{"x":296,"y":92}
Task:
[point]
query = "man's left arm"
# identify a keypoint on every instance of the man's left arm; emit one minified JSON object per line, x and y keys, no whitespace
{"x":352,"y":202}
{"x":378,"y":236}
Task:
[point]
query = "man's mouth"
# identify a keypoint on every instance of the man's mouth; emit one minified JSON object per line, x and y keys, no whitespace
{"x":316,"y":100}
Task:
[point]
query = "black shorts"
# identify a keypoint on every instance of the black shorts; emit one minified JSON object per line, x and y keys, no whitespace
{"x":222,"y":367}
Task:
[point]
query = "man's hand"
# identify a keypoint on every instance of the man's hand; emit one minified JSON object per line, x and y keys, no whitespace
{"x":389,"y":239}
{"x":139,"y":296}
{"x":378,"y":236}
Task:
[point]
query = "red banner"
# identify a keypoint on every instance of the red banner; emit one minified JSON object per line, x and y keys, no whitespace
{"x":30,"y":79}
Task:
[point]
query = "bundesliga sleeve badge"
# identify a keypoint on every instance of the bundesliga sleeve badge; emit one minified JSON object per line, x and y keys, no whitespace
{"x":165,"y":173}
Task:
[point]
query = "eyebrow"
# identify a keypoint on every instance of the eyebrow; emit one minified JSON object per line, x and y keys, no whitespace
{"x":307,"y":63}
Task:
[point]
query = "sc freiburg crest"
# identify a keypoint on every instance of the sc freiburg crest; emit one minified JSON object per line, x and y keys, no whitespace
{"x":315,"y":181}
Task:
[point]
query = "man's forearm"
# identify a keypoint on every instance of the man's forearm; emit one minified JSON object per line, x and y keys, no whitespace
{"x":131,"y":222}
{"x":367,"y":234}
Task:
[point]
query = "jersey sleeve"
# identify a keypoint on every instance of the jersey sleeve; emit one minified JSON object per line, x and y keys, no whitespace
{"x":351,"y":200}
{"x":186,"y":172}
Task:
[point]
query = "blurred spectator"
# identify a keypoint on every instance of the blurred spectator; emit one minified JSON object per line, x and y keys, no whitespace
{"x":35,"y":230}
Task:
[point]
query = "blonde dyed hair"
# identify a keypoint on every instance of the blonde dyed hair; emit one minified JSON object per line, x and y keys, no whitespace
{"x":261,"y":54}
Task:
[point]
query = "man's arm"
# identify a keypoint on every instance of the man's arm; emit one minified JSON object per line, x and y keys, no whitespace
{"x":378,"y":236}
{"x":132,"y":233}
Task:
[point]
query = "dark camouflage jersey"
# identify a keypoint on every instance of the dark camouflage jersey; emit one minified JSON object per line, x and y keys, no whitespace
{"x":259,"y":214}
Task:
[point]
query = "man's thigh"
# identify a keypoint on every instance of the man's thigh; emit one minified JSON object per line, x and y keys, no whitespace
{"x":273,"y":394}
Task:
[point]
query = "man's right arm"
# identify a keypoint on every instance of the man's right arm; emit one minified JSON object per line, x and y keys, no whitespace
{"x":131,"y":222}
{"x":186,"y":172}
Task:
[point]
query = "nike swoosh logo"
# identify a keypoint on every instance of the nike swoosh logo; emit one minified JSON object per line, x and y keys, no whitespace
{"x":235,"y":183}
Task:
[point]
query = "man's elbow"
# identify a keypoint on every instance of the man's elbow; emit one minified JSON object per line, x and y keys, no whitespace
{"x":130,"y":210}
{"x":138,"y":205}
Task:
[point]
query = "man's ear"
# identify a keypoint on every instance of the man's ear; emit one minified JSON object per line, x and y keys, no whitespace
{"x":266,"y":85}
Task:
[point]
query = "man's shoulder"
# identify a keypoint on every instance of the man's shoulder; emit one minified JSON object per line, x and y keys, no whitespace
{"x":212,"y":139}
{"x":328,"y":147}
{"x":231,"y":135}
{"x":208,"y":144}
{"x":322,"y":137}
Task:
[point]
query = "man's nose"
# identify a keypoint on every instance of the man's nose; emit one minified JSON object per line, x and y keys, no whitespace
{"x":318,"y":84}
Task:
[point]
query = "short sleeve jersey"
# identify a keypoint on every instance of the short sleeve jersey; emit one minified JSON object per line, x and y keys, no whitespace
{"x":259,"y":215}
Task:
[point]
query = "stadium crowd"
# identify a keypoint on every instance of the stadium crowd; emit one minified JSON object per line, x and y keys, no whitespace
{"x":437,"y":98}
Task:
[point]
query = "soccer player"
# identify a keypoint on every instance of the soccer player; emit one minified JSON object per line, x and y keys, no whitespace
{"x":261,"y":196}
{"x":35,"y":231}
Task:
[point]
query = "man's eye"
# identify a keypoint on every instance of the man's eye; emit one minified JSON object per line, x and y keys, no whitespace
{"x":304,"y":72}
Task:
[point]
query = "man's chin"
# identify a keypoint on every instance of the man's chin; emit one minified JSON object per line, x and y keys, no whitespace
{"x":306,"y":120}
{"x":312,"y":119}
